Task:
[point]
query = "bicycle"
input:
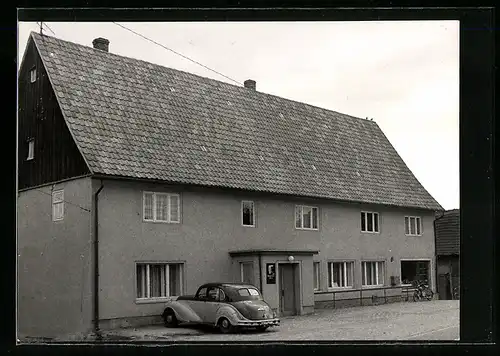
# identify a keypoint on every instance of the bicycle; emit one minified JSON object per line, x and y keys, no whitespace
{"x":456,"y":293}
{"x":422,"y":291}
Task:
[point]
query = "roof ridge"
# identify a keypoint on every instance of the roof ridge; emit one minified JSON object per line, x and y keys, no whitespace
{"x":209,"y":79}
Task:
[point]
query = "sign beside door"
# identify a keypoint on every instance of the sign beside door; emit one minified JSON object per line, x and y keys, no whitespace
{"x":270,"y":273}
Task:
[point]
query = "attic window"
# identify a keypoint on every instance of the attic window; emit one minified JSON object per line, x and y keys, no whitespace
{"x":31,"y":150}
{"x":33,"y":75}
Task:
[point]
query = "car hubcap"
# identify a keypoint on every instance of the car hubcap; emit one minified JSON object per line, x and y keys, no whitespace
{"x":225,"y":324}
{"x":169,"y":318}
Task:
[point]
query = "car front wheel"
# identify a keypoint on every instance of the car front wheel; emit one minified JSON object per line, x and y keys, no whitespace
{"x":169,"y":319}
{"x":225,"y":326}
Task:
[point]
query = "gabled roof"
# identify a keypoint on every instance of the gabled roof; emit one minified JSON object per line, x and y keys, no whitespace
{"x":136,"y":119}
{"x":448,"y":233}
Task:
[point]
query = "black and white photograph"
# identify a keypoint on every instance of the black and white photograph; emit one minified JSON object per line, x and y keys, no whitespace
{"x":238,"y":181}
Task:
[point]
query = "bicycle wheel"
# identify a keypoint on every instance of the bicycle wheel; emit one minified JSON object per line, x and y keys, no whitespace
{"x":416,"y":297}
{"x":428,"y":294}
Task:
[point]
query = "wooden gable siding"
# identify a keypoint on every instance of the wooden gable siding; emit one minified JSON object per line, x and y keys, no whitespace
{"x":448,"y":234}
{"x":56,"y":155}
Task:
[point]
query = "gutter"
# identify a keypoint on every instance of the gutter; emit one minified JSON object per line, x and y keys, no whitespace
{"x":97,"y":330}
{"x":260,"y":271}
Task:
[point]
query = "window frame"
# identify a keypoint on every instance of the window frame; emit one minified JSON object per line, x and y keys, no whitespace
{"x":31,"y":149}
{"x":154,"y":207}
{"x":329,"y":274}
{"x":363,"y":273}
{"x":429,"y":269}
{"x":35,"y":77}
{"x":253,"y":213}
{"x":317,"y":280}
{"x":373,"y":222}
{"x":146,"y":300}
{"x":59,"y":202}
{"x":301,"y":207}
{"x":417,"y":225}
{"x":242,"y":263}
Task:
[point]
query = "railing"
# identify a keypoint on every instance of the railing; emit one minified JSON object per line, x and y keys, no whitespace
{"x":404,"y":295}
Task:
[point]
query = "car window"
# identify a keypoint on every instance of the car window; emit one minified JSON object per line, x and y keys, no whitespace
{"x":222,"y":295}
{"x":253,"y":291}
{"x":244,"y":292}
{"x":202,"y":294}
{"x":213,"y":294}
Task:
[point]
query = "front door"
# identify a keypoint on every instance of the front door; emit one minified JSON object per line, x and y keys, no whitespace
{"x":287,"y":289}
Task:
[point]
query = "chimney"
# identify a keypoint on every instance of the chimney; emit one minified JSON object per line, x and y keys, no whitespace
{"x":250,"y":84}
{"x":101,"y":43}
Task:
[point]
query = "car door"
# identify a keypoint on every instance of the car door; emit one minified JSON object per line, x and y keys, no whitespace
{"x":199,"y":303}
{"x":215,"y":299}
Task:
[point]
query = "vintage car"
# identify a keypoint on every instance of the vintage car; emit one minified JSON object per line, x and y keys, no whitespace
{"x":228,"y":306}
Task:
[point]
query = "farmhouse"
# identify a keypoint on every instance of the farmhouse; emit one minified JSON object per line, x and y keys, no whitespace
{"x":138,"y":183}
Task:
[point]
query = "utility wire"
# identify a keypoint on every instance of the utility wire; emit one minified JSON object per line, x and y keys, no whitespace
{"x":70,"y":203}
{"x":44,"y":24}
{"x":171,"y":50}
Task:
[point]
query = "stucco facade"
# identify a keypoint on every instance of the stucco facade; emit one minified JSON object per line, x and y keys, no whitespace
{"x":54,"y":262}
{"x":211,"y":227}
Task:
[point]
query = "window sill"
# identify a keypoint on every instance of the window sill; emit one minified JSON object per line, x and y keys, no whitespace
{"x":370,"y":232}
{"x":154,"y":300}
{"x":160,"y":222}
{"x":306,"y":228}
{"x":339,"y":289}
{"x":247,"y":225}
{"x":412,"y":235}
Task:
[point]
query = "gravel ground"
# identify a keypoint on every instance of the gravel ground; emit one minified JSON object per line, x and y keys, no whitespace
{"x":433,"y":320}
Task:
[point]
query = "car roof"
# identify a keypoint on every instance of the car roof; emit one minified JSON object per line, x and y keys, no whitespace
{"x":228,"y":284}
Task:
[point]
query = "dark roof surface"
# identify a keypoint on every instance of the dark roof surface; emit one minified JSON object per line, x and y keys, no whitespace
{"x":448,"y":233}
{"x":136,"y":119}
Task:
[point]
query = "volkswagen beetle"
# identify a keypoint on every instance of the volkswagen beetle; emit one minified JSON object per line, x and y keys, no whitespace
{"x":228,"y":306}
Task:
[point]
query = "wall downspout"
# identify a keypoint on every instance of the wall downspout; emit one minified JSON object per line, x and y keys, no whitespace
{"x":97,"y":330}
{"x":260,"y":273}
{"x":436,"y":276}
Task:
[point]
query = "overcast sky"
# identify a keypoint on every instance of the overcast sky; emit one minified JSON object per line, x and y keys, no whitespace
{"x":404,"y":75}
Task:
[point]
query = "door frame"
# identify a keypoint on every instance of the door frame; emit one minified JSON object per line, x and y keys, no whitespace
{"x":432,"y":282}
{"x":297,"y":265}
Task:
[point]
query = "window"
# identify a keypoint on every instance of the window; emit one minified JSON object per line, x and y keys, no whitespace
{"x":316,"y":275}
{"x":247,"y":213}
{"x":33,"y":75}
{"x":306,"y":217}
{"x":57,"y":205}
{"x":340,"y":274}
{"x":372,"y":273}
{"x":159,"y":280}
{"x":216,"y":294}
{"x":161,"y":207}
{"x":413,"y":271}
{"x":413,"y":225}
{"x":369,"y":222}
{"x":246,"y":270}
{"x":31,"y":149}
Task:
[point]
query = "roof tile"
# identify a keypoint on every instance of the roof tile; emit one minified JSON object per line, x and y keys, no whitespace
{"x":141,"y":120}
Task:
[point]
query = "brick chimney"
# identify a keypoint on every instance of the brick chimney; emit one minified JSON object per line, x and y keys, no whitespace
{"x":101,"y":43}
{"x":250,"y":84}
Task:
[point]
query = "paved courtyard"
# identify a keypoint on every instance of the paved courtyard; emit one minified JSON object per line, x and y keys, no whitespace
{"x":434,"y":320}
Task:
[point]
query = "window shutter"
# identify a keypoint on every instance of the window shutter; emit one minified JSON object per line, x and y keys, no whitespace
{"x":148,"y":206}
{"x":315,"y":218}
{"x":174,"y":208}
{"x":407,"y":225}
{"x":419,"y":226}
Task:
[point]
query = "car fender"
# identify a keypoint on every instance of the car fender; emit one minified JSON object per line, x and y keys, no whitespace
{"x":229,"y":312}
{"x":183,"y":311}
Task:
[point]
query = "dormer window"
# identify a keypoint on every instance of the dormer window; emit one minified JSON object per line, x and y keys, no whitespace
{"x":31,"y":149}
{"x":33,"y":75}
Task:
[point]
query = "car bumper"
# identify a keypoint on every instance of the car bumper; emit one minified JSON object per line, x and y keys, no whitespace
{"x":256,"y":323}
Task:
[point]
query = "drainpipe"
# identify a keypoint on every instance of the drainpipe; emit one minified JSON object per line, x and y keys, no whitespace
{"x":435,"y":240}
{"x":97,"y":331}
{"x":260,"y":272}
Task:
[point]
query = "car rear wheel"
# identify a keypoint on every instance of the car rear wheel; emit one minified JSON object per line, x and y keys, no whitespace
{"x":225,"y":326}
{"x":170,"y":319}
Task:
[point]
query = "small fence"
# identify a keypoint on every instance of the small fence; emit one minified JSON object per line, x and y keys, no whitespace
{"x":405,"y":294}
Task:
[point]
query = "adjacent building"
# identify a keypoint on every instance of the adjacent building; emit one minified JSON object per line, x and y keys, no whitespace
{"x":138,"y":183}
{"x":447,"y":230}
